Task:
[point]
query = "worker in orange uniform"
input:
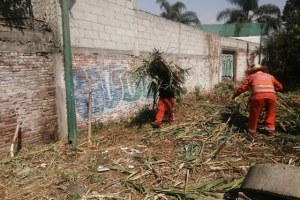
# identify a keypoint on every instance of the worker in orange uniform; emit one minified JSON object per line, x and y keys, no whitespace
{"x":249,"y":68}
{"x":263,"y":96}
{"x":166,"y":102}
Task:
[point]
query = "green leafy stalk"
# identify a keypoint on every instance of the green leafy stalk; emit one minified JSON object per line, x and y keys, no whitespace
{"x":157,"y":69}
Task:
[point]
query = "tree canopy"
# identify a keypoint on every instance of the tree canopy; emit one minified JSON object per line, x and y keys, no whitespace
{"x":176,"y":13}
{"x":248,"y":11}
{"x":284,"y":46}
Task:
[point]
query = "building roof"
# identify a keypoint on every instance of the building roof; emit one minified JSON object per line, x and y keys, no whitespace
{"x":229,"y":30}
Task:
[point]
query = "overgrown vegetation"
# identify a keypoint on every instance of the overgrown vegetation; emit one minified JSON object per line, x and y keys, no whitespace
{"x":283,"y":49}
{"x":204,"y":153}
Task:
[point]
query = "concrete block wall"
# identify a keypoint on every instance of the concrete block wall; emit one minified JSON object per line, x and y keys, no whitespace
{"x":191,"y":48}
{"x":241,"y":65}
{"x":110,"y":36}
{"x":27,"y":91}
{"x":106,"y":24}
{"x":192,"y":41}
{"x":155,"y":32}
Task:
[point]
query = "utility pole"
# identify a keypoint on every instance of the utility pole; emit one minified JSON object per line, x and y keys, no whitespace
{"x":71,"y":114}
{"x":262,"y":21}
{"x":261,"y":28}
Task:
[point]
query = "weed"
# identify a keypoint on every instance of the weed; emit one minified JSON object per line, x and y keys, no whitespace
{"x":197,"y":92}
{"x":95,"y":179}
{"x":64,"y":176}
{"x":72,"y":196}
{"x":96,"y":127}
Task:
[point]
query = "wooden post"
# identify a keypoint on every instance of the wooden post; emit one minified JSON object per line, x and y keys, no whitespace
{"x":90,"y":111}
{"x":13,"y":141}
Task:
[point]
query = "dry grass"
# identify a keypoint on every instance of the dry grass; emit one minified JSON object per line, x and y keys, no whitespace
{"x":205,"y":153}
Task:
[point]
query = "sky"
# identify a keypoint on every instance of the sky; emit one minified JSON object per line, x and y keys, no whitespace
{"x":206,"y":10}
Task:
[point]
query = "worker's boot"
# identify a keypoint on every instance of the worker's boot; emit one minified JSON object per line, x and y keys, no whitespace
{"x":155,"y":125}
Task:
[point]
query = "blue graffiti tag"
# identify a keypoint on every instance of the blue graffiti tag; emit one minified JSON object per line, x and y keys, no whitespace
{"x":110,"y":85}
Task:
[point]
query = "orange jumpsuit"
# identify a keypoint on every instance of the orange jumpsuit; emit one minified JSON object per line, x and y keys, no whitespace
{"x":166,"y":102}
{"x":263,"y":95}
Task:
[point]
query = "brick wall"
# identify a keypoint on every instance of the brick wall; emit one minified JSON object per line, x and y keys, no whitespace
{"x":27,"y":91}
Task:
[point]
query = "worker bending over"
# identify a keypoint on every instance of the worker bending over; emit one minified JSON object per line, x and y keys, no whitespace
{"x":263,"y":88}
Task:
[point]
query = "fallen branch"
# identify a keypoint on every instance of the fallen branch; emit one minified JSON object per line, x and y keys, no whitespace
{"x":221,"y":147}
{"x":186,"y":181}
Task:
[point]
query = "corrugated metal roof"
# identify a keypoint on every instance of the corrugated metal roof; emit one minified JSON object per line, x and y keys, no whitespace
{"x":229,"y":30}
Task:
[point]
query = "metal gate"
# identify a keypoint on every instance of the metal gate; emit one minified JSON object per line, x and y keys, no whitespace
{"x":227,"y":68}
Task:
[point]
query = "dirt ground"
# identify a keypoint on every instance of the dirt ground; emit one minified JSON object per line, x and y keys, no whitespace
{"x":204,"y":153}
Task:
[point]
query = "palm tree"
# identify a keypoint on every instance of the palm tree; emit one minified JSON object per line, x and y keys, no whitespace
{"x":175,"y":12}
{"x":248,"y":11}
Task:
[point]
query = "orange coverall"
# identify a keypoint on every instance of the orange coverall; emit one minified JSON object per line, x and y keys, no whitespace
{"x":263,"y":95}
{"x":166,"y":102}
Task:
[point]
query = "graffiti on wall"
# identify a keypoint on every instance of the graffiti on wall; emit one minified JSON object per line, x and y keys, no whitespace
{"x":110,"y":86}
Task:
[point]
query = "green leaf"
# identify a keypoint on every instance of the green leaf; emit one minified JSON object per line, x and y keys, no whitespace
{"x":230,"y":185}
{"x":191,"y":158}
{"x":200,"y":185}
{"x":220,"y":138}
{"x":214,"y":183}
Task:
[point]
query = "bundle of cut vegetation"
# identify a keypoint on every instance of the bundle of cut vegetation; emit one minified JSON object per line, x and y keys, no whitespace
{"x":160,"y":71}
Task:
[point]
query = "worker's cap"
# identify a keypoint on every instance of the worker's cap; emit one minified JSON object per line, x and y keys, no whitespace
{"x":256,"y":68}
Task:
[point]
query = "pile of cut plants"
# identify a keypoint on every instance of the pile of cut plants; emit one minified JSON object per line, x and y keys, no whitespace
{"x":161,"y":72}
{"x":203,"y":155}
